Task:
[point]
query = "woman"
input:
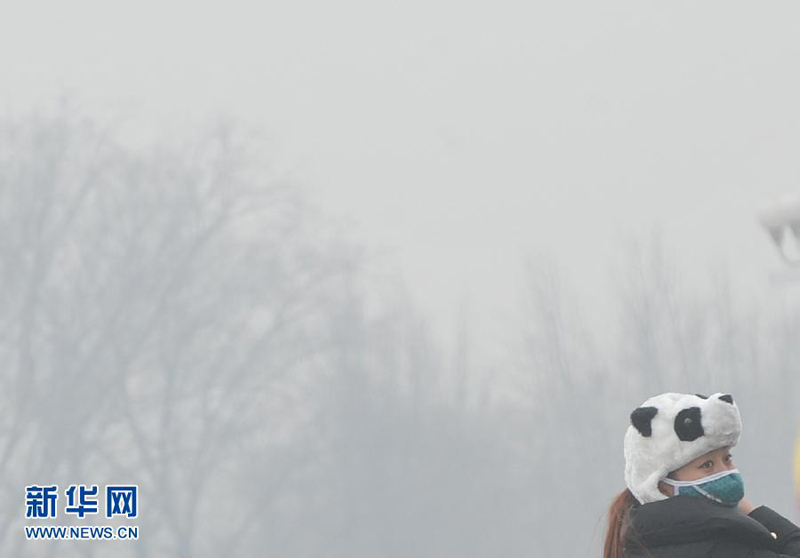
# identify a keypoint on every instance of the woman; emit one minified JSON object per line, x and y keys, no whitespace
{"x":685,"y":497}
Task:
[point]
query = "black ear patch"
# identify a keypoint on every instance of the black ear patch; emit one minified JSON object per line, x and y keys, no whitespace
{"x":642,"y":418}
{"x":688,"y":424}
{"x":701,"y":396}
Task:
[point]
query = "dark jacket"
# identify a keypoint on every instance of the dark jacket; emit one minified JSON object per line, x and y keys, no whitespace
{"x":688,"y":527}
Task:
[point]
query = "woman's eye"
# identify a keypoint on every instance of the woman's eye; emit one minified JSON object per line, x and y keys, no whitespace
{"x":707,"y":464}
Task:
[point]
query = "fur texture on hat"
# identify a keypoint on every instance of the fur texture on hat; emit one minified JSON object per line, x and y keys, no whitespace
{"x":672,"y":429}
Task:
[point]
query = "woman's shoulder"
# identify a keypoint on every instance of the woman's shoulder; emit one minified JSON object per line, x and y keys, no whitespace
{"x":687,"y":526}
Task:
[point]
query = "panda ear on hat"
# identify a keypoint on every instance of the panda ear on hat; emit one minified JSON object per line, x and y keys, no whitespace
{"x":642,"y":420}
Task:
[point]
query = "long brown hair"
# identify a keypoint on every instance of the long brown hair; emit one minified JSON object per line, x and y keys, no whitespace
{"x":617,"y":523}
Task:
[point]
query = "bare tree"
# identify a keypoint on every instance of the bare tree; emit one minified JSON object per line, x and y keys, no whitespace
{"x":155,"y":306}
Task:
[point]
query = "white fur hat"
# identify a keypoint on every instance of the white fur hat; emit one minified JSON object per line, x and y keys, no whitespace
{"x":672,"y":429}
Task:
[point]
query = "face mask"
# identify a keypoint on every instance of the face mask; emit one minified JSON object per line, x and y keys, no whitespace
{"x":725,"y":488}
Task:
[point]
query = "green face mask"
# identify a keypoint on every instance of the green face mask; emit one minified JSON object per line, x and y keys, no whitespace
{"x":725,"y":488}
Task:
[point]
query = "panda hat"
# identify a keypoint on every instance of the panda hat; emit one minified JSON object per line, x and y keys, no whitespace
{"x":672,"y":429}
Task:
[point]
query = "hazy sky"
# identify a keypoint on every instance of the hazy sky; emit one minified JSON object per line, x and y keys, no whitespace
{"x":465,"y":133}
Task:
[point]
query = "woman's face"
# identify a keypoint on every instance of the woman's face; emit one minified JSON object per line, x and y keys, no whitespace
{"x":715,"y":461}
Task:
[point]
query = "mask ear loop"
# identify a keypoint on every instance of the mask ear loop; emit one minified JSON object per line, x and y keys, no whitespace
{"x":669,"y":482}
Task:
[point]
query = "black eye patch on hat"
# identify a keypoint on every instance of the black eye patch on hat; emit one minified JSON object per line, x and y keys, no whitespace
{"x":689,"y":424}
